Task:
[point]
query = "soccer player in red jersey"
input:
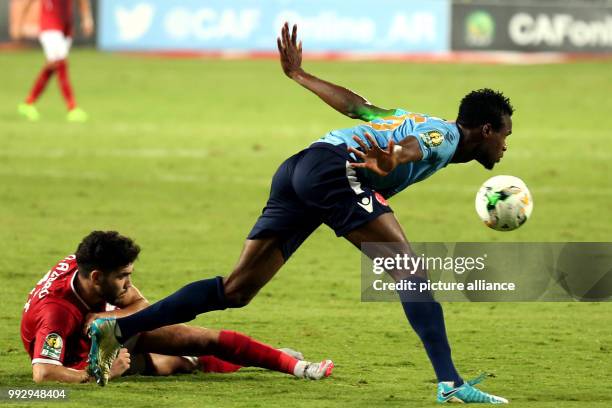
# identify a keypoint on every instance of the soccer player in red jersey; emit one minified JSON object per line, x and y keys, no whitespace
{"x":96,"y":282}
{"x":56,"y":21}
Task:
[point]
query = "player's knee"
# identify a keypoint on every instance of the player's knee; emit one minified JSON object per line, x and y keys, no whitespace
{"x":236,"y":299}
{"x":237,"y":295}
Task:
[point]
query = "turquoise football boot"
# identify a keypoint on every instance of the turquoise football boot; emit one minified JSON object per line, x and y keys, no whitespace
{"x":104,"y":349}
{"x":467,"y":393}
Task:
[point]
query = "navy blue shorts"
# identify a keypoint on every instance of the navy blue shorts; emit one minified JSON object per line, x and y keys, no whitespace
{"x":313,"y":187}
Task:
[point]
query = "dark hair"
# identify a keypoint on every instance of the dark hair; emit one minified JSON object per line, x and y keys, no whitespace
{"x":105,"y":251}
{"x":484,"y":106}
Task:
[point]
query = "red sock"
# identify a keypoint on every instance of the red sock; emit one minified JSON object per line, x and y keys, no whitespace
{"x":212,"y":364}
{"x":39,"y":85}
{"x":239,"y":349}
{"x":64,"y":82}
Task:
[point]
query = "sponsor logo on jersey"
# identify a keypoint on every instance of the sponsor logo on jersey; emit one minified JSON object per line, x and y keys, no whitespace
{"x":432,"y":138}
{"x":381,"y":199}
{"x":366,"y":203}
{"x":52,"y":347}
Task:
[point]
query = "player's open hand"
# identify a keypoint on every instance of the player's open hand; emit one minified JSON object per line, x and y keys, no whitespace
{"x":290,"y":51}
{"x":121,"y":363}
{"x":380,"y":161}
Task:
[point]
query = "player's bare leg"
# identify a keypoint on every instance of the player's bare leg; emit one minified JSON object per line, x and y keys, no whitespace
{"x":423,"y":312}
{"x":258,"y":263}
{"x":231,"y":349}
{"x":160,"y":365}
{"x":385,"y":228}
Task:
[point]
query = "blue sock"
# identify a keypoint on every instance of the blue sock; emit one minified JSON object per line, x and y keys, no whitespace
{"x":180,"y":307}
{"x":426,"y":318}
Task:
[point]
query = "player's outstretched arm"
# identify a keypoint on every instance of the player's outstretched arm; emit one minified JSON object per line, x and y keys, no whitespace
{"x":341,"y":99}
{"x":50,"y":372}
{"x":87,"y":22}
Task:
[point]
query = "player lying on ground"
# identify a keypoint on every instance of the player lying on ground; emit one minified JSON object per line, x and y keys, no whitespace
{"x":97,"y":279}
{"x":342,"y":180}
{"x":55,"y":36}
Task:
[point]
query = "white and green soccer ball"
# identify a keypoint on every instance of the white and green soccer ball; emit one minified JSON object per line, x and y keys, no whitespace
{"x":504,"y":203}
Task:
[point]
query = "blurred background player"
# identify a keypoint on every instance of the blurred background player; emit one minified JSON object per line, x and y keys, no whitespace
{"x":55,"y":36}
{"x":90,"y":284}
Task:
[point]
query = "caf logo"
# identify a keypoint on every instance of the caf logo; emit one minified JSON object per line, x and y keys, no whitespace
{"x":432,"y":139}
{"x":54,"y":341}
{"x":479,"y":29}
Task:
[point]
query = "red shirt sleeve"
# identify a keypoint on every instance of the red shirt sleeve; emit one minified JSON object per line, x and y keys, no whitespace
{"x":55,"y":325}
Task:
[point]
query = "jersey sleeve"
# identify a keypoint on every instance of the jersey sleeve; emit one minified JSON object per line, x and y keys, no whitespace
{"x":55,"y":324}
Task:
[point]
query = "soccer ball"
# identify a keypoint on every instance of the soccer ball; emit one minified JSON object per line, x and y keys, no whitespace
{"x":504,"y":203}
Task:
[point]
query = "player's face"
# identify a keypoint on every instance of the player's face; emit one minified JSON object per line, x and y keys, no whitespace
{"x":115,"y":285}
{"x":494,"y":143}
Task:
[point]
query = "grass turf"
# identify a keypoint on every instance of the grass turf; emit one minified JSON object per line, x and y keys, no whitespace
{"x":179,"y":155}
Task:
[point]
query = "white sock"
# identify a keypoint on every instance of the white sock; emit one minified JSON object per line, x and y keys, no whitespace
{"x":299,"y":368}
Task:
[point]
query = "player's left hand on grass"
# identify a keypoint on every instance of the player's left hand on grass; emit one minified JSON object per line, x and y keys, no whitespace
{"x":290,"y":51}
{"x":380,"y":161}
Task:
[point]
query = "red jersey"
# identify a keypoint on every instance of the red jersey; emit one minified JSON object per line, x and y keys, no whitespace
{"x":53,"y":319}
{"x":56,"y":15}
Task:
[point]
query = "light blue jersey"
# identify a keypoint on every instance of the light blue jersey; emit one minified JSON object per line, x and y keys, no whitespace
{"x":437,"y":138}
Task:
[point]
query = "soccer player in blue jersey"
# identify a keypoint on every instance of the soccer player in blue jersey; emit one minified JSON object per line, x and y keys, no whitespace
{"x":342,"y":180}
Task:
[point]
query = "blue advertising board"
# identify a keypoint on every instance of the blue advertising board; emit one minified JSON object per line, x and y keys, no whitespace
{"x":363,"y":26}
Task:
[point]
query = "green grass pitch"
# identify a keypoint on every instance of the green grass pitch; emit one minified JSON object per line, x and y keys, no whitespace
{"x":179,"y":155}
